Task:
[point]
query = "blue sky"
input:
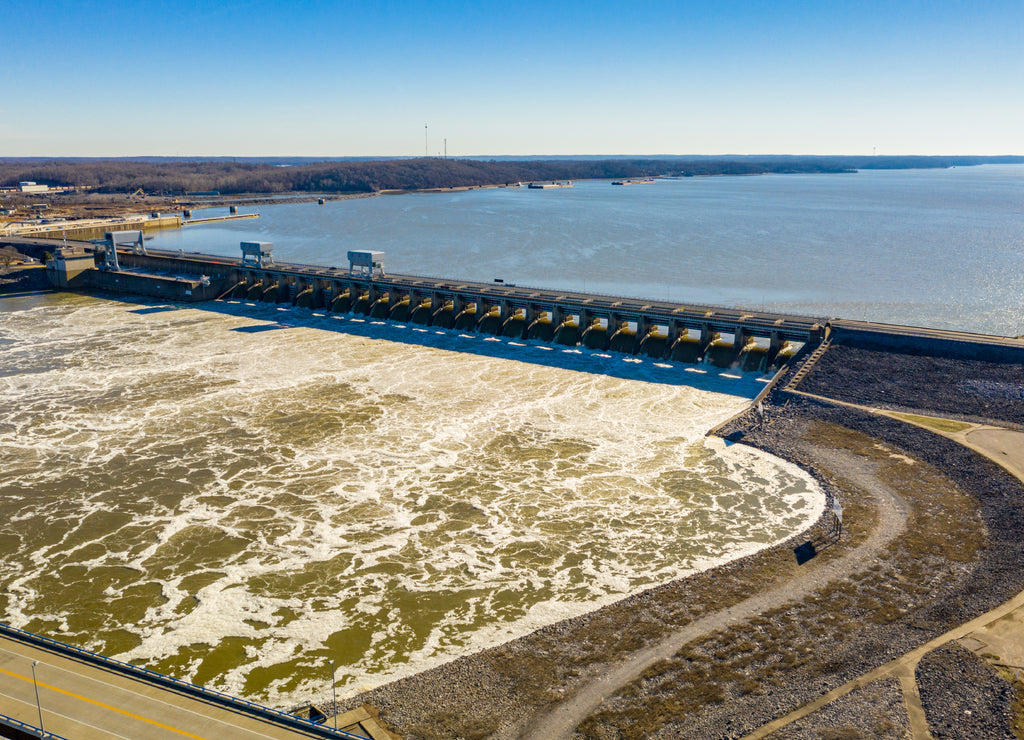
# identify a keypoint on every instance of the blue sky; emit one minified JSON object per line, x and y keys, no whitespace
{"x":505,"y":78}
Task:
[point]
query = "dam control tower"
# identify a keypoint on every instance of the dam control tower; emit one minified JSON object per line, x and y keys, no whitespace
{"x":366,"y":264}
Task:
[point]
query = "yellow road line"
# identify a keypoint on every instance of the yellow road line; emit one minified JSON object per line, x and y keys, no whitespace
{"x":106,"y":706}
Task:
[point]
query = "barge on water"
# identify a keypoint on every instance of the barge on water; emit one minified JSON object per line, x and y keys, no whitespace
{"x":549,"y":185}
{"x":641,"y":181}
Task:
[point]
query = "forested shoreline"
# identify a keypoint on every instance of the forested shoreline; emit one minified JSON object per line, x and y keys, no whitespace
{"x":166,"y":176}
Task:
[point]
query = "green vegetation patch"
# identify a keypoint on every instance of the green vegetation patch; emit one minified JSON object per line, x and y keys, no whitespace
{"x":943,"y":425}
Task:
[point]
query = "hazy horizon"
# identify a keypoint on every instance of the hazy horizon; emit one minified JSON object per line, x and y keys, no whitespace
{"x":500,"y":157}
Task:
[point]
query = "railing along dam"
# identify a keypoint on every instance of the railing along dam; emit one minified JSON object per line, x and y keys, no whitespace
{"x":726,"y":337}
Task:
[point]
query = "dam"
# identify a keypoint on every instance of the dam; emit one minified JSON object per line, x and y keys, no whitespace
{"x":753,"y":340}
{"x":279,"y":345}
{"x":198,"y":356}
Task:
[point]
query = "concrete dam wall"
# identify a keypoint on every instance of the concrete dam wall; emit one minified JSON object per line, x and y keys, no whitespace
{"x":557,"y":325}
{"x":725,"y":337}
{"x":754,"y":341}
{"x":628,"y":326}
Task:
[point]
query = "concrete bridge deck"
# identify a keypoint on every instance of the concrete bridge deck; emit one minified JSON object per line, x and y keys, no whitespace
{"x":89,"y":697}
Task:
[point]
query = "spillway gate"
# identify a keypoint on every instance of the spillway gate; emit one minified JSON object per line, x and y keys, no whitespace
{"x":660,"y":329}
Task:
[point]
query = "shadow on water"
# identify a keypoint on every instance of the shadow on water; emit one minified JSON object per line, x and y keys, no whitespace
{"x":627,"y":367}
{"x":154,"y":309}
{"x":260,"y":328}
{"x":25,"y":293}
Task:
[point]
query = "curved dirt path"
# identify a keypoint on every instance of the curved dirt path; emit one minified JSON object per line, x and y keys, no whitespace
{"x":562,"y":720}
{"x":1005,"y":447}
{"x":902,"y":667}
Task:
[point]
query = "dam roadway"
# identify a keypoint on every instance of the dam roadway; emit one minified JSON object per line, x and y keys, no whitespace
{"x":690,"y":333}
{"x":83,"y":695}
{"x":792,"y":327}
{"x":754,"y":340}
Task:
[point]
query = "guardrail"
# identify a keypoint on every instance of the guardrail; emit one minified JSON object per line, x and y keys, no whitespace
{"x":769,"y":387}
{"x":177,"y":684}
{"x":450,"y":282}
{"x":586,"y":294}
{"x":17,"y":724}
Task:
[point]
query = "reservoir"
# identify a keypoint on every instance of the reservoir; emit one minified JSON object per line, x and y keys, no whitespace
{"x":236,"y":493}
{"x":939,"y":248}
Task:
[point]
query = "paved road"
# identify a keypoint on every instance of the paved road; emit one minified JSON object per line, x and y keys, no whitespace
{"x":81,"y":700}
{"x":922,"y":332}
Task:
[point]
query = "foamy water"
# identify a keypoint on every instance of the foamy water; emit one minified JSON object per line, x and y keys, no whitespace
{"x":236,"y":495}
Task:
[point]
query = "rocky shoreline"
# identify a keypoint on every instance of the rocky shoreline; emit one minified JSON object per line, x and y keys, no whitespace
{"x":959,"y":387}
{"x":963,"y":697}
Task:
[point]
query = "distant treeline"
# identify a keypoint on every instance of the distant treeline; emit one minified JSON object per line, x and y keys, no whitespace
{"x":174,"y":176}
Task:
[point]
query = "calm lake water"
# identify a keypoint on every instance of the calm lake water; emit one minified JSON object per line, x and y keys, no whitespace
{"x":941,"y":248}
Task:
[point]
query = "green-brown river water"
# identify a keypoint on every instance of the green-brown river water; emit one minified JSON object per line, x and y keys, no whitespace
{"x":235,"y":495}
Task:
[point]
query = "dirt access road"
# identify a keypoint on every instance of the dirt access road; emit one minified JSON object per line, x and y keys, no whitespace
{"x":995,"y":630}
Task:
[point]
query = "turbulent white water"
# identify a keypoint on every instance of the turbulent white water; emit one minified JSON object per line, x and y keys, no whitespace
{"x":234,"y":494}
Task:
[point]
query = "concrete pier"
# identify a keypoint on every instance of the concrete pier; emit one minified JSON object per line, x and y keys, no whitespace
{"x":211,"y":219}
{"x":96,"y":228}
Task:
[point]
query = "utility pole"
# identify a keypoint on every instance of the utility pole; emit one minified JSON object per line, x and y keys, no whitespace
{"x":334,"y":692}
{"x":36,"y":685}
